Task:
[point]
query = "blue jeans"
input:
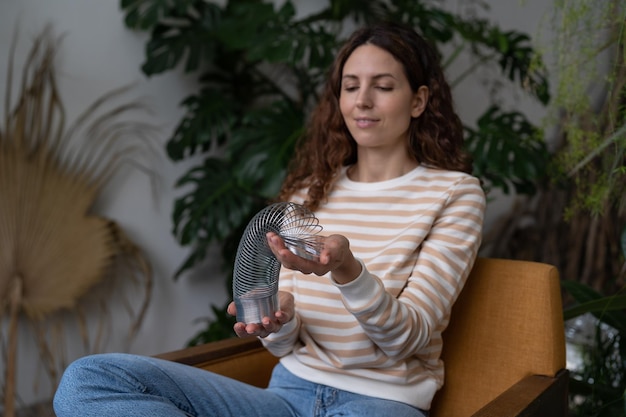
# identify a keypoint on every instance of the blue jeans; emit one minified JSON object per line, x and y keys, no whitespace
{"x":124,"y":385}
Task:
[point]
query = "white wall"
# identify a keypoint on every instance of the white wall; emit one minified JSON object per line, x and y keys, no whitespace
{"x":99,"y":54}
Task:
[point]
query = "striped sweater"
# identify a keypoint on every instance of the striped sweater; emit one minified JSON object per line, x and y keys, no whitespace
{"x":380,"y":335}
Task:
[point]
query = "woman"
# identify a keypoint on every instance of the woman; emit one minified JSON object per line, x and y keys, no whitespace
{"x":359,"y":331}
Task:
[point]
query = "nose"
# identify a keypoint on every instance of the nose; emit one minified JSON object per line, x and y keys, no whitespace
{"x":364,"y":100}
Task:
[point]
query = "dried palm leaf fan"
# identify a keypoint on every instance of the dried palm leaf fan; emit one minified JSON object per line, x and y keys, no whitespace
{"x":53,"y":249}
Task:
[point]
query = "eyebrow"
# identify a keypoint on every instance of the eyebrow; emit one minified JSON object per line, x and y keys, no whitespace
{"x":375,"y":77}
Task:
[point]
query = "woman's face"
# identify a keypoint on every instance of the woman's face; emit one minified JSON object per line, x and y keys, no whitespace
{"x":376,"y":99}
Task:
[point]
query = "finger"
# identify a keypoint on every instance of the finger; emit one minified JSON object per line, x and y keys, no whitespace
{"x":270,"y":326}
{"x":280,"y":250}
{"x":240,"y":329}
{"x":276,"y":243}
{"x":246,"y":330}
{"x":290,"y":260}
{"x":282,"y":317}
{"x":254,"y":329}
{"x":231,"y":309}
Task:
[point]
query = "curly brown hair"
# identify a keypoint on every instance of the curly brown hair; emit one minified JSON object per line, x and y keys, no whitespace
{"x":435,"y":137}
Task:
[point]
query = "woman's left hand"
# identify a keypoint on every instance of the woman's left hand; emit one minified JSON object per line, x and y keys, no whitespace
{"x":335,"y":257}
{"x":268,"y":324}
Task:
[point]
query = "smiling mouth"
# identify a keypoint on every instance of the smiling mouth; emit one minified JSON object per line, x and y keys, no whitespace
{"x":365,"y":122}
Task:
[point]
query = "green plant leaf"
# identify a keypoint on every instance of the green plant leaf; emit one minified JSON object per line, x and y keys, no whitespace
{"x":167,"y":47}
{"x":142,"y":14}
{"x":433,"y":22}
{"x":206,"y":209}
{"x":517,"y":59}
{"x":210,"y":116}
{"x":145,"y":14}
{"x":605,"y":304}
{"x":243,"y":21}
{"x":608,"y":309}
{"x":507,"y":150}
{"x":355,"y":10}
{"x":264,"y":145}
{"x":179,"y":28}
{"x":213,"y":210}
{"x":274,"y":36}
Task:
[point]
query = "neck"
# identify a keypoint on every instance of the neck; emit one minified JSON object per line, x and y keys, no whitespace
{"x":369,"y":171}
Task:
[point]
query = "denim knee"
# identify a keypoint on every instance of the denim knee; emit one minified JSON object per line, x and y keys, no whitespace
{"x":81,"y":380}
{"x":64,"y":402}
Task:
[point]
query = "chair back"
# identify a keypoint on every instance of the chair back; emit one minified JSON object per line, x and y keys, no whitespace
{"x":507,"y":324}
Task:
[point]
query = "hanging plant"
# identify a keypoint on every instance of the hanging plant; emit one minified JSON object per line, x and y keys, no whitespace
{"x":53,"y":248}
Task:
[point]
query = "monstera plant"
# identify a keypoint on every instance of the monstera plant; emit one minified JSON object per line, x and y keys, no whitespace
{"x":54,"y":248}
{"x":260,"y":67}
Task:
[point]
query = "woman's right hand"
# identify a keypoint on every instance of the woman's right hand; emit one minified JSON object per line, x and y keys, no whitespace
{"x":268,"y":325}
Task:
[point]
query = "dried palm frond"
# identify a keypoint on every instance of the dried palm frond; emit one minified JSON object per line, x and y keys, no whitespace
{"x":53,"y":248}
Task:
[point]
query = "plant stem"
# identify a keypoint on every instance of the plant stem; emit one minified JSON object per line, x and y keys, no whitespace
{"x":453,"y":56}
{"x":619,"y":134}
{"x":274,"y":86}
{"x":471,"y":69}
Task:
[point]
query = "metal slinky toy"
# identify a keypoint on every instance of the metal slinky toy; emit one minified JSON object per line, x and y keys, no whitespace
{"x":255,"y":280}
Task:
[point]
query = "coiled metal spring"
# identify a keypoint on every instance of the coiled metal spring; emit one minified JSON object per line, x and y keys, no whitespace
{"x":255,"y":280}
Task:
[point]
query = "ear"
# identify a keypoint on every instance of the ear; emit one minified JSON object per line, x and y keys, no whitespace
{"x":420,"y":100}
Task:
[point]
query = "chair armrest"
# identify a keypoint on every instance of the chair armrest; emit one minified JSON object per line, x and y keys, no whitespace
{"x":243,"y":359}
{"x":208,"y":353}
{"x":533,"y":396}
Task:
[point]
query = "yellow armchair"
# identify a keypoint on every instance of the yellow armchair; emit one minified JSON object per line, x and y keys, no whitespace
{"x":504,"y":350}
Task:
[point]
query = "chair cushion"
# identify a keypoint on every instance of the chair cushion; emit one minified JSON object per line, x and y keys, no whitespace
{"x":507,"y":324}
